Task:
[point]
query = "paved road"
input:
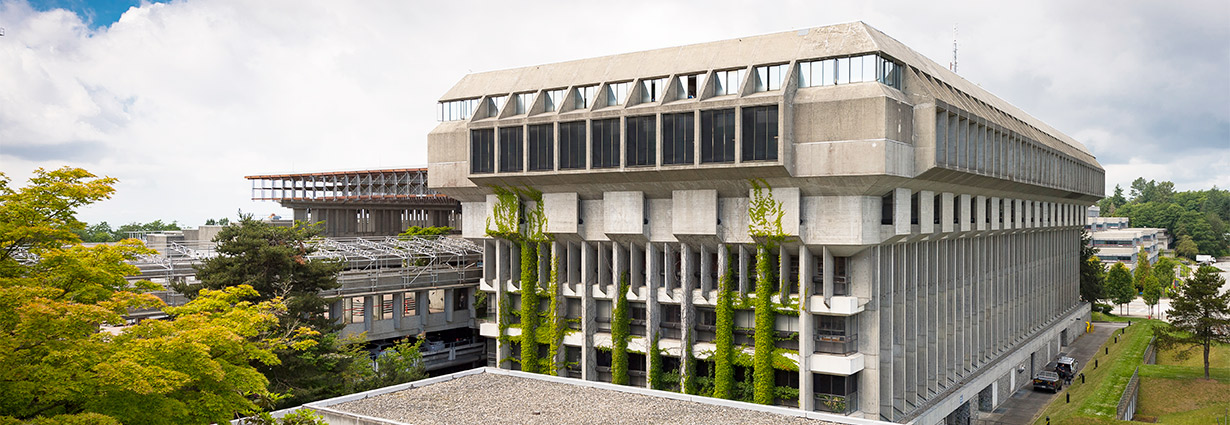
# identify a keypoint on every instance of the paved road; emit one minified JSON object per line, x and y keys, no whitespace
{"x":1024,"y":404}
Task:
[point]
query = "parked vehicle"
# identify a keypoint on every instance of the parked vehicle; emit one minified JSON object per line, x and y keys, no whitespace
{"x":1066,"y":368}
{"x":1048,"y":380}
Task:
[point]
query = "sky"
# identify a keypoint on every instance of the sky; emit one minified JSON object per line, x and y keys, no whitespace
{"x":180,"y":100}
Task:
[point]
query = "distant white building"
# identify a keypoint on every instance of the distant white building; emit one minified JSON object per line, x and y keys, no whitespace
{"x":1119,"y":243}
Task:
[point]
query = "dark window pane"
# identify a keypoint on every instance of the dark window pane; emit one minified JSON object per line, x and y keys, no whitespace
{"x":511,"y":149}
{"x":642,"y":141}
{"x":717,"y":135}
{"x":605,"y":143}
{"x":760,"y":133}
{"x":677,"y":138}
{"x":572,"y":145}
{"x":541,"y":147}
{"x":482,"y":151}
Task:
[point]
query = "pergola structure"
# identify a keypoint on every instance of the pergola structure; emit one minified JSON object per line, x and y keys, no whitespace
{"x":360,"y":203}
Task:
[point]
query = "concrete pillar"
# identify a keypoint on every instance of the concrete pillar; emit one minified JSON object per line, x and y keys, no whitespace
{"x":652,"y":310}
{"x":706,"y":264}
{"x":965,"y":216}
{"x":807,"y":339}
{"x":744,"y":260}
{"x":686,"y":310}
{"x":399,"y":300}
{"x":996,"y":221}
{"x":827,"y":278}
{"x":901,"y":211}
{"x":589,"y":278}
{"x":448,"y":305}
{"x":926,"y":212}
{"x":946,"y":212}
{"x":980,"y":213}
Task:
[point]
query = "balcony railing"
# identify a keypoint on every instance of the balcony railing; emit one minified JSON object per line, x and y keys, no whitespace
{"x":840,"y":404}
{"x":836,"y":344}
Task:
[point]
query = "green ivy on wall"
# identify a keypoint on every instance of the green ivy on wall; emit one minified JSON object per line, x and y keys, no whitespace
{"x":529,"y":306}
{"x":655,"y":364}
{"x":723,"y":357}
{"x":765,"y":317}
{"x":555,"y":320}
{"x":620,"y":324}
{"x":689,"y":384}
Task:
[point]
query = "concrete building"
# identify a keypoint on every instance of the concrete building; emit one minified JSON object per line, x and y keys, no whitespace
{"x":359,"y":203}
{"x":932,"y":227}
{"x":1118,"y":242}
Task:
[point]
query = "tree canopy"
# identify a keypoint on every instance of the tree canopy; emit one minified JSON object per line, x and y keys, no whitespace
{"x":1093,"y":272}
{"x":68,"y":357}
{"x":102,"y":231}
{"x":1119,"y":284}
{"x":1200,"y":215}
{"x":1199,"y":315}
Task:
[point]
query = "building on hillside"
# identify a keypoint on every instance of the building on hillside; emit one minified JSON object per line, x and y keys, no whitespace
{"x":1118,"y":242}
{"x":931,"y":260}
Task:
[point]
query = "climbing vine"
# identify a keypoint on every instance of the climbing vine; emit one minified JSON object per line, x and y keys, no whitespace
{"x":689,"y":385}
{"x":723,"y":374}
{"x":529,"y":306}
{"x":655,"y":364}
{"x":619,"y":333}
{"x":555,"y":323}
{"x":765,"y":226}
{"x":763,"y":361}
{"x":505,"y":223}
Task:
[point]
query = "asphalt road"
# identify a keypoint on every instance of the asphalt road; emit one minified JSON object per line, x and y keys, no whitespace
{"x":1026,"y":403}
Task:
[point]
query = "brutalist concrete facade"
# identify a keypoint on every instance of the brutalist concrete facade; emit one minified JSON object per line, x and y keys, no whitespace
{"x":934,"y":228}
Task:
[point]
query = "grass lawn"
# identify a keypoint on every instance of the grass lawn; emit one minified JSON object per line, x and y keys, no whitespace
{"x":1094,"y":402}
{"x":1175,"y":392}
{"x":1219,"y":357}
{"x":1099,"y":317}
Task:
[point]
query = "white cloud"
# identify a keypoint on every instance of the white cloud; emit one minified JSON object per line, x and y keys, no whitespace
{"x":181,"y":100}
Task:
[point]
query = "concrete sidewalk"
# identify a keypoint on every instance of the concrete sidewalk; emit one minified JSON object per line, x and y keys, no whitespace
{"x":1026,"y":403}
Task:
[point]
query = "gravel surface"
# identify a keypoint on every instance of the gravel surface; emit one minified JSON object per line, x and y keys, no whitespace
{"x":487,"y":398}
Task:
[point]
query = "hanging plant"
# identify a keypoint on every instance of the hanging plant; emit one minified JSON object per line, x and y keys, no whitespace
{"x":555,"y":321}
{"x":655,"y":364}
{"x":529,"y":306}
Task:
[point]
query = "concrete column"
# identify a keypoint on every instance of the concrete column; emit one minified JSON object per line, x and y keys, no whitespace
{"x":946,"y":212}
{"x":744,"y":259}
{"x":901,"y":211}
{"x":807,"y":338}
{"x":966,"y":218}
{"x":996,"y":222}
{"x":687,"y":269}
{"x":706,"y":264}
{"x":827,"y":278}
{"x":980,"y":213}
{"x":668,"y":266}
{"x":652,"y":310}
{"x":589,"y":359}
{"x":399,"y":300}
{"x":369,"y":304}
{"x":783,"y":271}
{"x":926,"y":212}
{"x":1018,"y":212}
{"x":636,"y":267}
{"x":686,"y":309}
{"x":448,"y":305}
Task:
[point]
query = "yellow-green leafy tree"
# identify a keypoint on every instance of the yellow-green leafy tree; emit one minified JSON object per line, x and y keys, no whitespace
{"x":62,"y":364}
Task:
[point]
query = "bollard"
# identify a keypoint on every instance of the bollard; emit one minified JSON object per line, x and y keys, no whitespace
{"x":1082,"y":377}
{"x":1107,"y":350}
{"x":1067,"y":397}
{"x":1095,"y":363}
{"x":1048,"y":420}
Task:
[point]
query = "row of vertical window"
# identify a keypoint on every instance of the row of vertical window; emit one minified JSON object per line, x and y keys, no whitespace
{"x":964,"y":141}
{"x":825,"y":72}
{"x":717,"y":142}
{"x":865,"y":68}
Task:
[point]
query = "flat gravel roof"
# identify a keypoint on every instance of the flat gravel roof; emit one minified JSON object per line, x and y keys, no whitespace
{"x":490,"y":398}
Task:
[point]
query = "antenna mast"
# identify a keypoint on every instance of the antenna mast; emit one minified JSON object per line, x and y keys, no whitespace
{"x":952,"y":66}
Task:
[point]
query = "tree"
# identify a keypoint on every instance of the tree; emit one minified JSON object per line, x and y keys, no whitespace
{"x":1199,"y":315}
{"x":276,"y":262}
{"x":1152,"y":293}
{"x":1143,"y":270}
{"x":399,"y":364}
{"x":1119,"y":285}
{"x":1093,"y":273}
{"x":1186,"y":247}
{"x":56,"y":297}
{"x":1165,"y":270}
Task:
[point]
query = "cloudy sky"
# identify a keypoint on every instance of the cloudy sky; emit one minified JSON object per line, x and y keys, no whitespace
{"x":180,"y":100}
